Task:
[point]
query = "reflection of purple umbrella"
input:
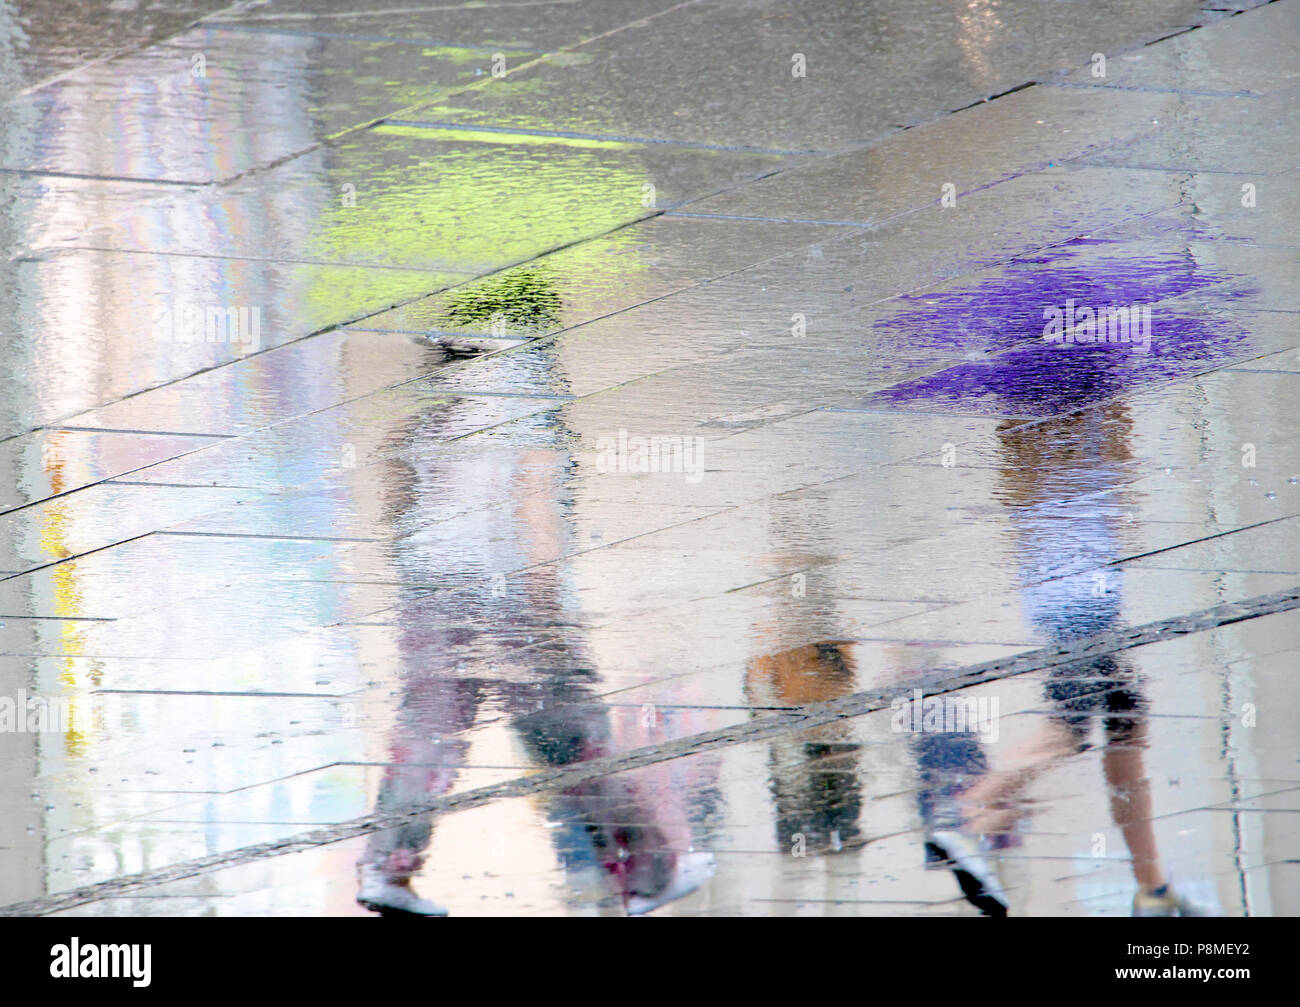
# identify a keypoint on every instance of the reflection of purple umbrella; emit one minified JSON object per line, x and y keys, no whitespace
{"x":1001,"y":319}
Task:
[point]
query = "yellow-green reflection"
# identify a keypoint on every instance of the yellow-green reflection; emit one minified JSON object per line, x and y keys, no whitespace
{"x":498,"y":137}
{"x":67,"y":597}
{"x":474,"y":207}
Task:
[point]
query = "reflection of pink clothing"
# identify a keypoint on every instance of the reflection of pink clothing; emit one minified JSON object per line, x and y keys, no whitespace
{"x":518,"y":645}
{"x":666,"y":786}
{"x":637,"y":821}
{"x":424,"y":764}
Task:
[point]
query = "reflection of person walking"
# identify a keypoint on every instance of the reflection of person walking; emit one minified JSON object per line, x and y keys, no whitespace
{"x":1049,"y":465}
{"x":452,"y":661}
{"x":814,"y":781}
{"x":948,"y":763}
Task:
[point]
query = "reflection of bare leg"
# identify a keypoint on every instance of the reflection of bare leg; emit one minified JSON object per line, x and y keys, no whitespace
{"x":426,"y":754}
{"x":1130,"y":806}
{"x":989,"y":808}
{"x":993,"y":803}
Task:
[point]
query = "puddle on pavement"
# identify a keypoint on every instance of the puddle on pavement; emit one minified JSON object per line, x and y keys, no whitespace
{"x":376,"y":557}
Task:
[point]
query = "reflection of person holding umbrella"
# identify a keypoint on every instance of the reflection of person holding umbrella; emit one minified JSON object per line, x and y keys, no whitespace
{"x":1056,"y":480}
{"x":1059,"y":483}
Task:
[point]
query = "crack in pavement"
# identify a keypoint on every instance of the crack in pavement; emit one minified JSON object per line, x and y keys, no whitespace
{"x":786,"y":722}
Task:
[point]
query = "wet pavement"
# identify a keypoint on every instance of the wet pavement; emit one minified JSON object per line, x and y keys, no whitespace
{"x":596,"y":458}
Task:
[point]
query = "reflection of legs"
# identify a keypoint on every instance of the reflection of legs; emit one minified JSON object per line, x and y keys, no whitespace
{"x":993,"y":803}
{"x":994,"y":806}
{"x":1126,"y":777}
{"x":1130,"y":805}
{"x":949,"y":765}
{"x":814,"y":776}
{"x":559,"y":719}
{"x":634,"y":837}
{"x":426,"y":754}
{"x":1078,"y":693}
{"x":816,"y":791}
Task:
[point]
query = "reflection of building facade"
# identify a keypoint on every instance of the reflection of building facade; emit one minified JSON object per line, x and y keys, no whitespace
{"x":507,"y":632}
{"x":86,"y":315}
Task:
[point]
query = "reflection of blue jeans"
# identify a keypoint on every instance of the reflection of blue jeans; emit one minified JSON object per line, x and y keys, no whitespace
{"x":948,"y":764}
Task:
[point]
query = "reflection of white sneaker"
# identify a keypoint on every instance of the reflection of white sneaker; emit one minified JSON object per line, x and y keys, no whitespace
{"x":1164,"y":901}
{"x":691,"y":871}
{"x":380,"y":895}
{"x":976,"y":876}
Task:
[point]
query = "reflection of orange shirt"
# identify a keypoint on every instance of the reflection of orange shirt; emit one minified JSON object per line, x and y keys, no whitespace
{"x":808,"y":674}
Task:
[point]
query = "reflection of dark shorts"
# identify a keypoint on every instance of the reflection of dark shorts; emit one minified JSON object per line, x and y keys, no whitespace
{"x":1103,"y":687}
